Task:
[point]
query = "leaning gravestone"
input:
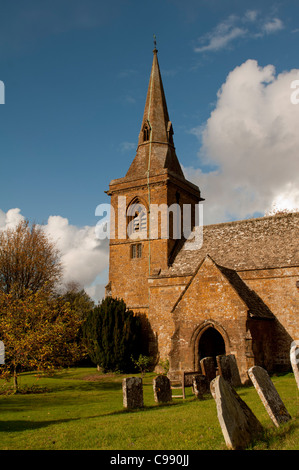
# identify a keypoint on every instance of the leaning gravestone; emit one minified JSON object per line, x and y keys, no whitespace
{"x":162,"y":389}
{"x":228,"y":368}
{"x":208,"y":368}
{"x":132,"y":392}
{"x":269,"y":395}
{"x":200,"y":386}
{"x":294,"y":356}
{"x":238,"y":424}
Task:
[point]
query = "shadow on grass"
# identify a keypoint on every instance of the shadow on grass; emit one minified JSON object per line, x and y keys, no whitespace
{"x":24,"y":425}
{"x":276,"y":436}
{"x":144,"y":409}
{"x":88,"y":387}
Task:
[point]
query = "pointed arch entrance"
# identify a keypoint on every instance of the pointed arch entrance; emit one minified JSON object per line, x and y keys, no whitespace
{"x":210,"y":344}
{"x":209,"y":340}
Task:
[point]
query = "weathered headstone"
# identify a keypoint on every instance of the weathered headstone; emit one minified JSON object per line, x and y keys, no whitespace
{"x":269,"y":395}
{"x":228,"y":368}
{"x":132,"y":392}
{"x":208,"y":368}
{"x":200,"y":386}
{"x":162,"y":389}
{"x":294,"y":356}
{"x":238,"y":424}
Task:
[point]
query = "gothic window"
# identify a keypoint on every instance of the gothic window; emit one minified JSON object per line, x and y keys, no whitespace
{"x":146,"y":133}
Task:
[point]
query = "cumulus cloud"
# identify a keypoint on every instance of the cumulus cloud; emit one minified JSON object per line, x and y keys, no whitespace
{"x":249,"y":145}
{"x":250,"y":25}
{"x":83,"y":256}
{"x":10,"y":219}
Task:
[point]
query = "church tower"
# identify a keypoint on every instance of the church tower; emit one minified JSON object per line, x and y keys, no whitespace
{"x":146,"y":204}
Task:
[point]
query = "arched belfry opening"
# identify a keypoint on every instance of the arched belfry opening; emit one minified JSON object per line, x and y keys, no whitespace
{"x":210,"y":344}
{"x":137,"y":214}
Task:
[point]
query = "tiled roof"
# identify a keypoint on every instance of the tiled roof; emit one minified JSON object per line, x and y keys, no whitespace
{"x":266,"y":242}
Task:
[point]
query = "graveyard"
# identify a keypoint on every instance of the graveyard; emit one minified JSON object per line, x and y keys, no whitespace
{"x":81,"y":408}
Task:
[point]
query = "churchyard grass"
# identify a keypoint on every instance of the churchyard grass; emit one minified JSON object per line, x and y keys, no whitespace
{"x":81,"y":409}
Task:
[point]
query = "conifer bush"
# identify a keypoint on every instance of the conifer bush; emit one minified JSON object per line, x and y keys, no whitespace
{"x":112,"y":336}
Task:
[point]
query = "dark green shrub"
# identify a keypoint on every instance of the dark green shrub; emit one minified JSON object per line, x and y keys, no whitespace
{"x":112,"y":335}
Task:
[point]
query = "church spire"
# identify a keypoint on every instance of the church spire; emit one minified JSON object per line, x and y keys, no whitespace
{"x":155,"y":114}
{"x":155,"y":152}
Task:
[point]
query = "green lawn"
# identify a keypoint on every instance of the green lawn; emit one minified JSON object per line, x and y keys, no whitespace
{"x":75,"y":413}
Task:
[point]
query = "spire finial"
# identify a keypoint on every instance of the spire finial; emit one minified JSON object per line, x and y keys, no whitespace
{"x":155,"y":43}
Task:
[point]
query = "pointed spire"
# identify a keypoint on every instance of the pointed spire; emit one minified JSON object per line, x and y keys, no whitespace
{"x":155,"y":150}
{"x":155,"y":111}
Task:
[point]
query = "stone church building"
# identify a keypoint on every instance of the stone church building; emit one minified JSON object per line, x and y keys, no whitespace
{"x":236,"y":293}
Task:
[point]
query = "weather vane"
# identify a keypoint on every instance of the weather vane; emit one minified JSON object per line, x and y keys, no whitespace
{"x":155,"y":41}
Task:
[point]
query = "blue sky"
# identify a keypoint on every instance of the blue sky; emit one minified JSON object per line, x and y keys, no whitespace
{"x":76,"y":74}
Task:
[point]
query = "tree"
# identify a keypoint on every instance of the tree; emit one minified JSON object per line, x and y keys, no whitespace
{"x":39,"y":332}
{"x":112,"y":335}
{"x":78,"y":299}
{"x":81,"y":304}
{"x":28,"y":260}
{"x":143,"y":363}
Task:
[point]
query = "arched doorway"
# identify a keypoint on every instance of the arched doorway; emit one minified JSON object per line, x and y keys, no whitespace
{"x":210,"y":344}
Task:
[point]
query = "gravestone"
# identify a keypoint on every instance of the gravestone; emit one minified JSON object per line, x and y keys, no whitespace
{"x":208,"y":368}
{"x":294,"y":356}
{"x":238,"y":424}
{"x":228,"y":368}
{"x":200,"y":386}
{"x":132,"y":392}
{"x":162,"y":389}
{"x":269,"y":395}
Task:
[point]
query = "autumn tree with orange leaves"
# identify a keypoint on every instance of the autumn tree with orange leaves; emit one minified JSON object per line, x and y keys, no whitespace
{"x":39,"y":333}
{"x":38,"y":327}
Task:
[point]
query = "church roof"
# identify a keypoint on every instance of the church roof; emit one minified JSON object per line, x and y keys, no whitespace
{"x":261,"y":243}
{"x":155,"y":152}
{"x":256,"y":306}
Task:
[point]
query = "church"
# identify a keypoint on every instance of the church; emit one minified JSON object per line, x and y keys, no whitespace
{"x":233,"y":292}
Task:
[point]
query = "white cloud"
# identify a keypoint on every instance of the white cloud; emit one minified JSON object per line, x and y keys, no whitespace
{"x":273,"y":25}
{"x":250,"y":15}
{"x":251,"y":141}
{"x":83,"y":256}
{"x":10,"y":219}
{"x":250,"y":25}
{"x":287,"y":198}
{"x":223,"y":34}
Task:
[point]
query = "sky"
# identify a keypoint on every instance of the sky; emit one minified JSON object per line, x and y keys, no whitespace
{"x":73,"y":81}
